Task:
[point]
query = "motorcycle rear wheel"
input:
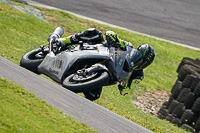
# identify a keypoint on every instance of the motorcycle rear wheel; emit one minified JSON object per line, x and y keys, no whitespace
{"x":78,"y":84}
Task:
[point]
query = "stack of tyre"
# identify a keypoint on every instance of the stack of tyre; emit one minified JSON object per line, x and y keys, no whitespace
{"x":183,"y":106}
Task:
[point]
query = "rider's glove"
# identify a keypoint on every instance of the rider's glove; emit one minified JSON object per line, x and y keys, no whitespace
{"x":112,"y":38}
{"x":124,"y":90}
{"x":59,"y":42}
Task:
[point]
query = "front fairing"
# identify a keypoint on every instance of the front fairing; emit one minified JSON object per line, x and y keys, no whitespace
{"x":56,"y":66}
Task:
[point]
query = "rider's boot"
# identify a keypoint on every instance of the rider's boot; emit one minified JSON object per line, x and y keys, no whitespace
{"x":93,"y":95}
{"x":91,"y":35}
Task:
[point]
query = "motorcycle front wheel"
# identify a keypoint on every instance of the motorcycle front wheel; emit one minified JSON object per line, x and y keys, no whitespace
{"x":77,"y":83}
{"x":32,"y":60}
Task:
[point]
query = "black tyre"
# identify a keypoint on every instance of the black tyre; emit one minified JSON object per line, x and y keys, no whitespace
{"x":188,"y":128}
{"x":185,"y":70}
{"x":76,"y":83}
{"x":195,"y":83}
{"x":162,"y":113}
{"x":198,"y":60}
{"x":189,"y":101}
{"x":184,"y":61}
{"x":197,"y":90}
{"x":165,"y":104}
{"x":178,"y":110}
{"x":32,"y":60}
{"x":169,"y":117}
{"x":197,"y":125}
{"x":173,"y":104}
{"x":196,"y":107}
{"x":176,"y":121}
{"x":176,"y":89}
{"x":183,"y":95}
{"x":169,"y":102}
{"x":187,"y":82}
{"x":187,"y":117}
{"x":188,"y":61}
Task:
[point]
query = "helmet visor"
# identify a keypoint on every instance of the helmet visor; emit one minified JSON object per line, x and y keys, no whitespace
{"x":143,"y":65}
{"x":136,"y":58}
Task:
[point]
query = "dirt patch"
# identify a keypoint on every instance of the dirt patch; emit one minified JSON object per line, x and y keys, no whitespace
{"x":151,"y":102}
{"x":53,"y":20}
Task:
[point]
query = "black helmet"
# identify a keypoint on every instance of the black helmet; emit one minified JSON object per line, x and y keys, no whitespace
{"x":142,"y":57}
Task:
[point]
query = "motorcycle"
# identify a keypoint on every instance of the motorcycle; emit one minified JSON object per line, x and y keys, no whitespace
{"x":80,"y":67}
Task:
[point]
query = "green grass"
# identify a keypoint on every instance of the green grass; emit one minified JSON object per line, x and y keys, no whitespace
{"x":22,"y":111}
{"x":21,"y":33}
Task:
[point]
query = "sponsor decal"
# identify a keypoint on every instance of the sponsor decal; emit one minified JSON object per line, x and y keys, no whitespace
{"x":56,"y":66}
{"x":53,"y":71}
{"x":57,"y":63}
{"x":120,"y":54}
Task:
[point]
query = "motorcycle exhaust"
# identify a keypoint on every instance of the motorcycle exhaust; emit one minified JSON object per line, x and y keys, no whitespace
{"x":57,"y":33}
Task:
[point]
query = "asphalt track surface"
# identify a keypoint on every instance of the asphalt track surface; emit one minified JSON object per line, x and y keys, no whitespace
{"x":90,"y":113}
{"x":174,"y":20}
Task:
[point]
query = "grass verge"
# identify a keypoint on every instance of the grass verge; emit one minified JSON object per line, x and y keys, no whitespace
{"x":21,"y":33}
{"x":22,"y":111}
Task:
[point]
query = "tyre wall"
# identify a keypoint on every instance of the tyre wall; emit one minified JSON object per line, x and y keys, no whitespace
{"x":183,"y":106}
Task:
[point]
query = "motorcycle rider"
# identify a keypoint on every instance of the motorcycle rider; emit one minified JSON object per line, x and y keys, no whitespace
{"x":93,"y":36}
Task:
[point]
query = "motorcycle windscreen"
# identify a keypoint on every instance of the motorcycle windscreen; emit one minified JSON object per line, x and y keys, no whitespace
{"x":136,"y":58}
